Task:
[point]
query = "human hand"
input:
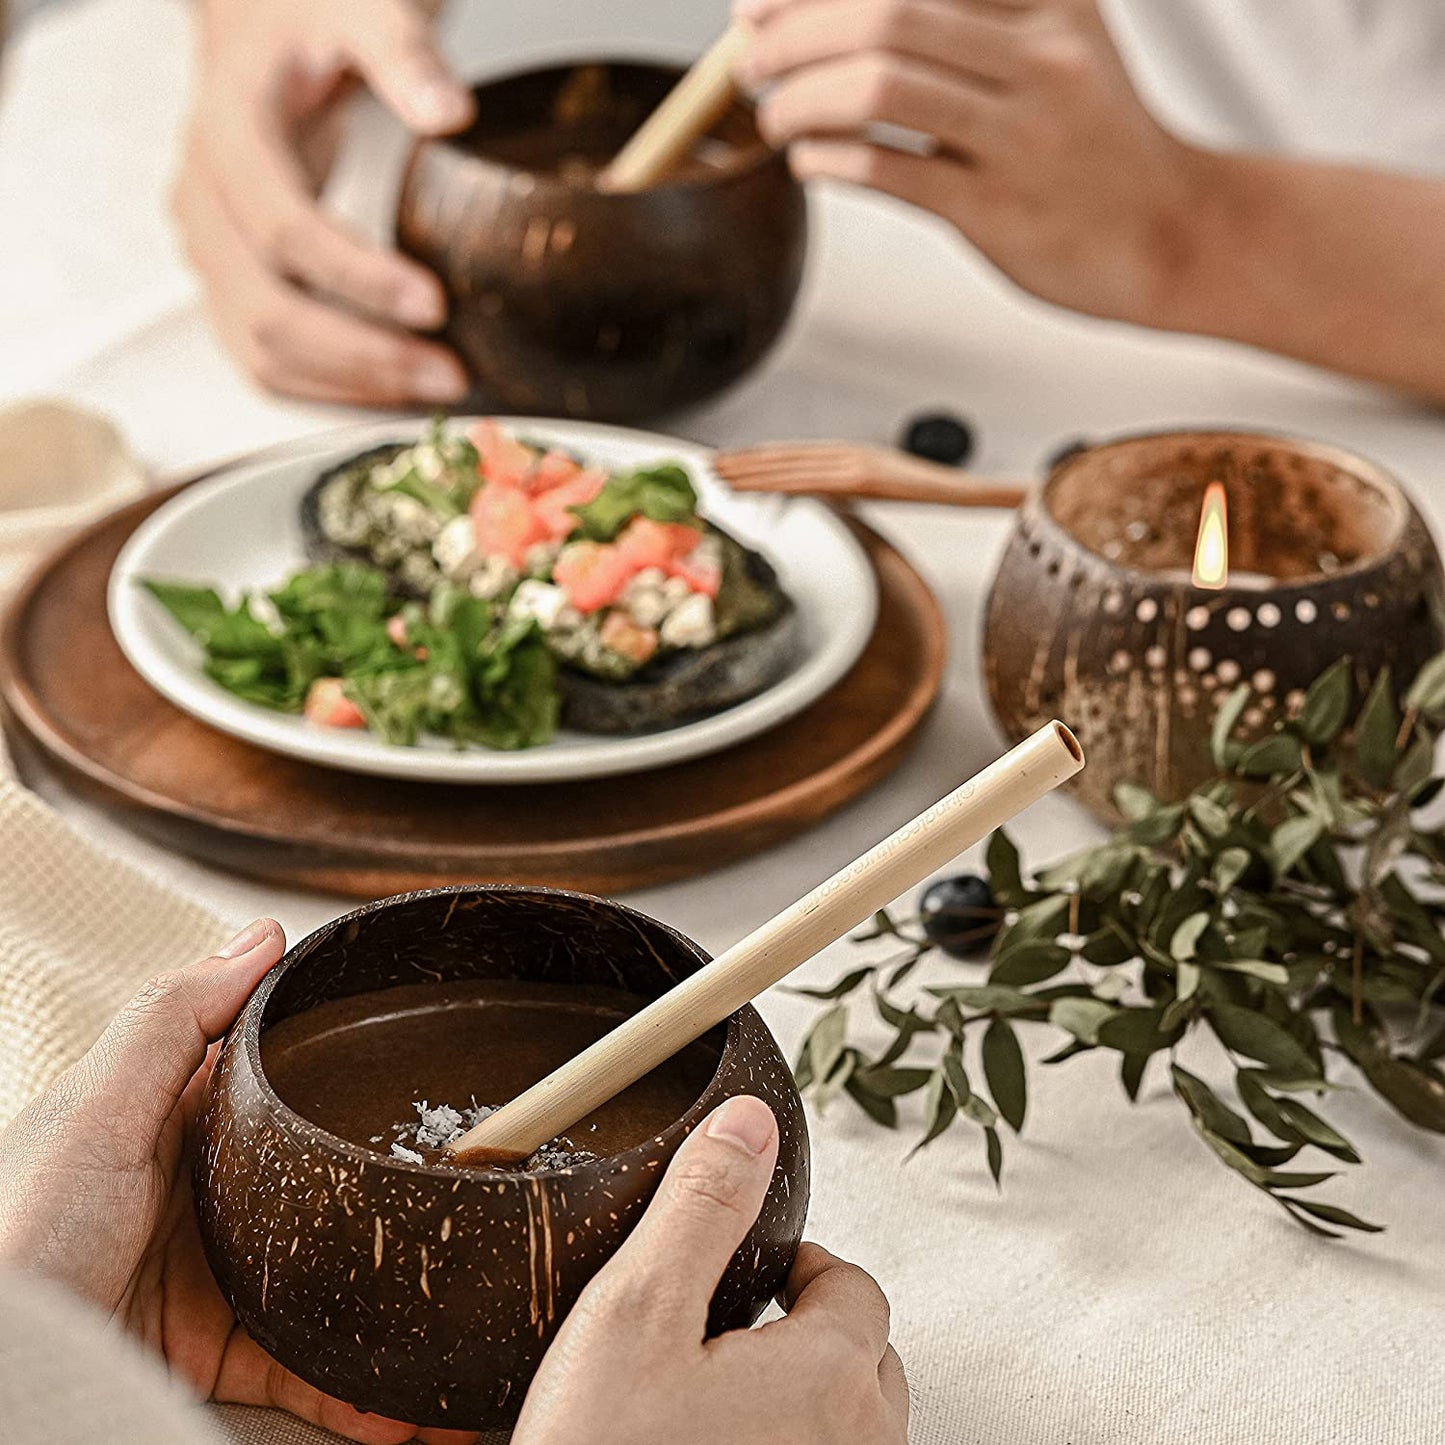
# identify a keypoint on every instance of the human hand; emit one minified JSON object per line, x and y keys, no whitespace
{"x":631,"y":1366}
{"x":306,"y":306}
{"x":95,"y":1189}
{"x":1044,"y":156}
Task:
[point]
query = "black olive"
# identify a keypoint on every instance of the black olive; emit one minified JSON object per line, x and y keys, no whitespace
{"x":960,"y":915}
{"x":939,"y":436}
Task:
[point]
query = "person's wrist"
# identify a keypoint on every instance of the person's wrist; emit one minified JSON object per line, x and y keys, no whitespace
{"x":1199,"y":233}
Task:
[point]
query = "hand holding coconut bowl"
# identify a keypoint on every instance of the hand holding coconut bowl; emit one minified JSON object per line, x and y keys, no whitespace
{"x":596,"y":1282}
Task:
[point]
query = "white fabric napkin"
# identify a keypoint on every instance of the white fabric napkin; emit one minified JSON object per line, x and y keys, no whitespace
{"x":80,"y":928}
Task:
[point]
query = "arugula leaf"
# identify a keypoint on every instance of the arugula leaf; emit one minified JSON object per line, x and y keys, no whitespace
{"x":663,"y":493}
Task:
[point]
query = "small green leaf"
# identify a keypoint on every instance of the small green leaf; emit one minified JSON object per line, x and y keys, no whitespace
{"x":1229,"y":867}
{"x":1108,"y":947}
{"x":1256,"y":1036}
{"x":1131,"y":1074}
{"x":1271,"y":757}
{"x":1208,"y":1108}
{"x":1135,"y":803}
{"x":1212,"y":819}
{"x":1222,"y":747}
{"x":1263,"y":1105}
{"x":1003,"y":1068}
{"x":1291,"y":840}
{"x":880,"y":1108}
{"x":1327,"y":703}
{"x":844,"y":985}
{"x":1427,"y":692}
{"x":1185,"y":939}
{"x":1004,"y":874}
{"x":955,"y":1074}
{"x":1333,"y":1214}
{"x":825,"y":1043}
{"x":1031,"y":961}
{"x":1041,"y":919}
{"x":977,"y":1108}
{"x":1376,"y":729}
{"x":886,"y":1082}
{"x":940,"y":1109}
{"x":1316,"y":1131}
{"x":1415,"y":767}
{"x":994,"y":1147}
{"x":1187,"y":981}
{"x":1136,"y":1031}
{"x":1272,"y":973}
{"x":986,"y":996}
{"x":1080,"y":1017}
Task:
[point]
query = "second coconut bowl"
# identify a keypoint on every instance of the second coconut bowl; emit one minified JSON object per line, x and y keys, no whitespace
{"x":571,"y":301}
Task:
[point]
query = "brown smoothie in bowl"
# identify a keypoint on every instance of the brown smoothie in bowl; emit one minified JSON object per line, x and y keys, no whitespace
{"x":403,"y":1070}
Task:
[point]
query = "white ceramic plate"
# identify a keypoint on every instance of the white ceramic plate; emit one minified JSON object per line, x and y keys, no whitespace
{"x":240,"y":530}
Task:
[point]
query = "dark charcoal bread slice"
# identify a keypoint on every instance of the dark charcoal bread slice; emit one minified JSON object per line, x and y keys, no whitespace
{"x":690,"y":684}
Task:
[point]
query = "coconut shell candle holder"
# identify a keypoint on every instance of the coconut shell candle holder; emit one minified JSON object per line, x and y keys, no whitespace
{"x":570,"y":300}
{"x":425,"y":1291}
{"x":1095,"y":616}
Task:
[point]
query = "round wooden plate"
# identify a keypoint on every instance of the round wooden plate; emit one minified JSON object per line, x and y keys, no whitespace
{"x":73,"y":702}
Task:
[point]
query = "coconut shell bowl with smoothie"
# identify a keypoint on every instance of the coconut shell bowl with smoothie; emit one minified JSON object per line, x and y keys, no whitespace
{"x":570,"y":297}
{"x":438,"y":1116}
{"x":354,"y":1249}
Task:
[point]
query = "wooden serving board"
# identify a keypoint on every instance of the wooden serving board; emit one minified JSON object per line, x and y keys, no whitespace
{"x":75,"y":706}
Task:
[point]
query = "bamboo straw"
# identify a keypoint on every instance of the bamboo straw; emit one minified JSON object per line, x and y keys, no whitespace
{"x":693,"y":104}
{"x":1022,"y":776}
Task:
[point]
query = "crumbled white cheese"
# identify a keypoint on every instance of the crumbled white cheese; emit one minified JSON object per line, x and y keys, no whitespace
{"x":400,"y":1151}
{"x":428,"y":461}
{"x":492,"y":578}
{"x":675,"y":590}
{"x":690,"y":623}
{"x":543,"y":600}
{"x":411,"y":520}
{"x":455,"y":548}
{"x":539,"y":559}
{"x":644,"y":598}
{"x":708,"y":551}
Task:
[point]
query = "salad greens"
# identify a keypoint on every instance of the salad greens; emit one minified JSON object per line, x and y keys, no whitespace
{"x":453,"y":665}
{"x":662,"y":494}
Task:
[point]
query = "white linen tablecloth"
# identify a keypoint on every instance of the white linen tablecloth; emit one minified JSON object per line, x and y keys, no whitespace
{"x":1122,"y":1287}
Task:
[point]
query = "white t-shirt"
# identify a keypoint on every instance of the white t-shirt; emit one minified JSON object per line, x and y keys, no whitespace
{"x":1357,"y":80}
{"x":1341,"y":79}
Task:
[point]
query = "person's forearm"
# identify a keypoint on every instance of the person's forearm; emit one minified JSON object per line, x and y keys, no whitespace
{"x":1335,"y":265}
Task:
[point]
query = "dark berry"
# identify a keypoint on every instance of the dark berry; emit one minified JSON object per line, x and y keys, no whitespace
{"x":1069,"y":449}
{"x":960,"y":915}
{"x":939,"y":437}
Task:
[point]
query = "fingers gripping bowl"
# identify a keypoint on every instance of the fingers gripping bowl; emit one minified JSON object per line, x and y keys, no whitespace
{"x":424,"y":1292}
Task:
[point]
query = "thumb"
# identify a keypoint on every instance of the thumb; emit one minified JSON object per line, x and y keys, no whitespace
{"x":707,"y":1201}
{"x":140,"y":1066}
{"x":393,"y":45}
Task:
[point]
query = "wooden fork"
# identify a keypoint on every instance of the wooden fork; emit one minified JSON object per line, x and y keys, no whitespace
{"x":852,"y":469}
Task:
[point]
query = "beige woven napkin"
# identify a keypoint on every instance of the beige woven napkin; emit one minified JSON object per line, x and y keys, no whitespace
{"x":80,"y":929}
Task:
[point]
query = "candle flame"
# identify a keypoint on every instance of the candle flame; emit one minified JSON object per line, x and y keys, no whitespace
{"x":1211,"y":552}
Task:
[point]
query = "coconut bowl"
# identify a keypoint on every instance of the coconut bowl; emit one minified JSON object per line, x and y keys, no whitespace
{"x":427,"y":1294}
{"x":570,"y":301}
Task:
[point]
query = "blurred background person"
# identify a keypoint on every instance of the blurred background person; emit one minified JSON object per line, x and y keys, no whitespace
{"x":1284,"y":196}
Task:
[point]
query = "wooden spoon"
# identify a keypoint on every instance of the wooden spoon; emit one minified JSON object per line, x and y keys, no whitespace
{"x":1022,"y":776}
{"x":689,"y":108}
